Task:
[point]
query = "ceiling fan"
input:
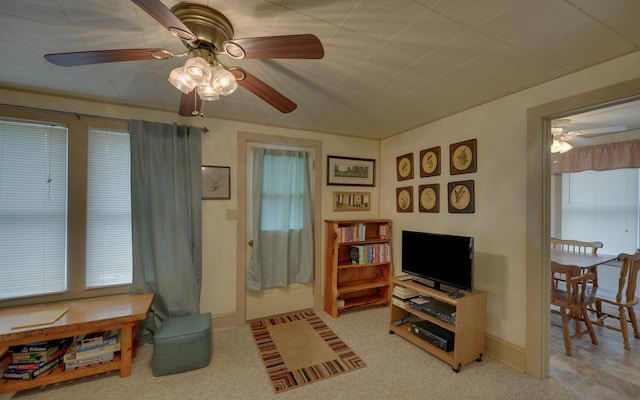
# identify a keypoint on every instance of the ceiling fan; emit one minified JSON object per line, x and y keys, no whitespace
{"x":564,"y":140}
{"x":206,"y":34}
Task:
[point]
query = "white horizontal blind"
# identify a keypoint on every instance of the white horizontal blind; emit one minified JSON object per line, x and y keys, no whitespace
{"x":33,"y":209}
{"x":109,"y":252}
{"x":602,"y":206}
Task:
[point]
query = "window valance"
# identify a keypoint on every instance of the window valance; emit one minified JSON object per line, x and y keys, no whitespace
{"x":599,"y":157}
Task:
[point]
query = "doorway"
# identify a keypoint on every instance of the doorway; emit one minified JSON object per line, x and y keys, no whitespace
{"x":539,"y":141}
{"x":297,"y":296}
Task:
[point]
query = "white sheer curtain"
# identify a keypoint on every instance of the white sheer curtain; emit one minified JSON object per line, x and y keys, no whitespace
{"x":282,"y":220}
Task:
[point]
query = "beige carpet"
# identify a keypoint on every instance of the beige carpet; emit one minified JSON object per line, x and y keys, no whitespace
{"x":299,"y":348}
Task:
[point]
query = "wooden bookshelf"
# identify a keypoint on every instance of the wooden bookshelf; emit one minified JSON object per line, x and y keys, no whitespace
{"x":354,"y":281}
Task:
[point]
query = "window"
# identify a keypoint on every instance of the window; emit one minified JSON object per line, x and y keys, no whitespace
{"x":109,"y":252}
{"x":33,"y":209}
{"x":47,"y":173}
{"x":602,"y":206}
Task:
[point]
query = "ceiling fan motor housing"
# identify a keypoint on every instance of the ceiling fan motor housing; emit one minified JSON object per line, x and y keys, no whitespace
{"x":209,"y":25}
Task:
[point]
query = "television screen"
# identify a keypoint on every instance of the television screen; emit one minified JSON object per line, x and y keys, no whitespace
{"x":439,"y":258}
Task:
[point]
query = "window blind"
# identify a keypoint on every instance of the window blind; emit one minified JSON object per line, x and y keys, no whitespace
{"x":33,"y":209}
{"x":602,"y":206}
{"x":109,"y":247}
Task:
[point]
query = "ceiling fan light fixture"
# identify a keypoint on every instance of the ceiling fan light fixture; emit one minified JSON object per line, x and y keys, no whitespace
{"x":560,"y":146}
{"x":182,"y":80}
{"x":223,"y":81}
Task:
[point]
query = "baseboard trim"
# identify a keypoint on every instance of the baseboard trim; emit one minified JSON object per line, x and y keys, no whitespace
{"x":508,"y":353}
{"x":225,"y":321}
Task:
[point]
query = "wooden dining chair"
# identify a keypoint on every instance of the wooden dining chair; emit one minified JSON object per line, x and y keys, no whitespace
{"x":576,"y":246}
{"x":624,"y":299}
{"x":572,"y":293}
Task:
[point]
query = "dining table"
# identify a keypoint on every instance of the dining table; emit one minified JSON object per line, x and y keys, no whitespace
{"x":587,"y":262}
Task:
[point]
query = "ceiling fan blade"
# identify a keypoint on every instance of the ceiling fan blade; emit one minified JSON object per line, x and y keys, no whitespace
{"x":166,"y":18}
{"x":305,"y":46}
{"x":598,"y":131}
{"x":264,"y":91}
{"x":190,"y":104}
{"x":105,"y":56}
{"x":579,"y":141}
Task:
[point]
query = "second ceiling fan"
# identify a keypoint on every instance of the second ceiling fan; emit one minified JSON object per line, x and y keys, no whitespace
{"x":206,"y":34}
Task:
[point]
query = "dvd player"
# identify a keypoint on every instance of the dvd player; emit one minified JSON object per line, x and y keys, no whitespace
{"x":434,"y":334}
{"x":443,"y":311}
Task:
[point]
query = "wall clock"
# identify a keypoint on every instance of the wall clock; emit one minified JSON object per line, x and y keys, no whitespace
{"x":404,"y":199}
{"x":461,"y":197}
{"x":462,"y":157}
{"x":429,"y":196}
{"x":430,"y":162}
{"x":404,"y":166}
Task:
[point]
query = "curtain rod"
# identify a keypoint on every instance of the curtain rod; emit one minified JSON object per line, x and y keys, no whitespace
{"x":75,"y":114}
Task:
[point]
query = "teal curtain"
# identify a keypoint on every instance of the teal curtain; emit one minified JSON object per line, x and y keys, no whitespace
{"x":282,"y":220}
{"x":166,"y":209}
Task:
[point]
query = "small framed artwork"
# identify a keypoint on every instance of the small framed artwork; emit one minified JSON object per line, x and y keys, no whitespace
{"x":430,"y":162}
{"x":462,"y":157}
{"x":216,"y":182}
{"x":351,"y":201}
{"x":461,"y":197}
{"x":350,"y":171}
{"x":404,"y":199}
{"x":404,"y":167}
{"x":429,"y":198}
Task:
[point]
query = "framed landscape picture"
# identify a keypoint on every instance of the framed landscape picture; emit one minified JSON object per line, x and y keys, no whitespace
{"x":349,"y":171}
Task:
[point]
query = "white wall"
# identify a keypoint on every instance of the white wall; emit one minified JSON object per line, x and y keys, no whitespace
{"x":499,"y":221}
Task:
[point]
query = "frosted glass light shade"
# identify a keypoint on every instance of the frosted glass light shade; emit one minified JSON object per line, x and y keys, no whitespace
{"x":198,"y":68}
{"x":208,"y":93}
{"x":181,"y":80}
{"x":224,"y":81}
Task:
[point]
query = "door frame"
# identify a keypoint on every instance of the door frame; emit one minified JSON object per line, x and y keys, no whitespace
{"x":241,"y":222}
{"x":539,"y":210}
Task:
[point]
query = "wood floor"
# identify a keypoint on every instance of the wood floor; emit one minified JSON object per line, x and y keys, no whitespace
{"x":605,"y":371}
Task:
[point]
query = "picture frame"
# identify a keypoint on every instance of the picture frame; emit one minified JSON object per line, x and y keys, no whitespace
{"x":429,"y":198}
{"x":216,"y":182}
{"x":350,"y":171}
{"x":351,"y":201}
{"x":404,"y":199}
{"x":461,"y":197}
{"x":430,"y":162}
{"x":463,"y":157}
{"x":404,"y":167}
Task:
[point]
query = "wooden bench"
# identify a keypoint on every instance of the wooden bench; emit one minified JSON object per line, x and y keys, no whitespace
{"x":83,"y":316}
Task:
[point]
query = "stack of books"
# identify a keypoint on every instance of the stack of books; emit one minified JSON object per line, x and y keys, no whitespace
{"x":402,"y":295}
{"x":92,"y":349}
{"x":31,"y":360}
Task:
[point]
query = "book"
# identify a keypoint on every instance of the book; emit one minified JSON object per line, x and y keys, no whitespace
{"x":98,"y":340}
{"x":74,"y":353}
{"x":91,"y":360}
{"x":36,"y":352}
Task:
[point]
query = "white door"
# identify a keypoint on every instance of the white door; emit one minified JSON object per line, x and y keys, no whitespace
{"x":274,"y":301}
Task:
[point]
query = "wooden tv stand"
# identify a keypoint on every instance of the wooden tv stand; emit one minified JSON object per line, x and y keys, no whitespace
{"x":469,"y":328}
{"x":84,"y":316}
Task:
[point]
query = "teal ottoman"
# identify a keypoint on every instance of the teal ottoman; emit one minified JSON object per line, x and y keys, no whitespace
{"x":182,"y":344}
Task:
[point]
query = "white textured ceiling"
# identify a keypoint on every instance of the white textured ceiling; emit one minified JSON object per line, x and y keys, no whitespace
{"x":389,"y":65}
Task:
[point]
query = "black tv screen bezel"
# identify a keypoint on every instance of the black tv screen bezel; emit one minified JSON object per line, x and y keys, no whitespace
{"x":427,"y":265}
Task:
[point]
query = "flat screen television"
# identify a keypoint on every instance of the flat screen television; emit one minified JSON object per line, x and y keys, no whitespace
{"x":439,"y":258}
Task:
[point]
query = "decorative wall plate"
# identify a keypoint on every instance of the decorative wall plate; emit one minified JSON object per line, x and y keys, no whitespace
{"x":404,"y":166}
{"x":461,"y":197}
{"x":404,"y":199}
{"x":430,"y":162}
{"x":462,"y":157}
{"x":429,"y":198}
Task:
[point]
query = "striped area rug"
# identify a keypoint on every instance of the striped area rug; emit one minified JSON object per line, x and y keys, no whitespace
{"x":299,"y":348}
